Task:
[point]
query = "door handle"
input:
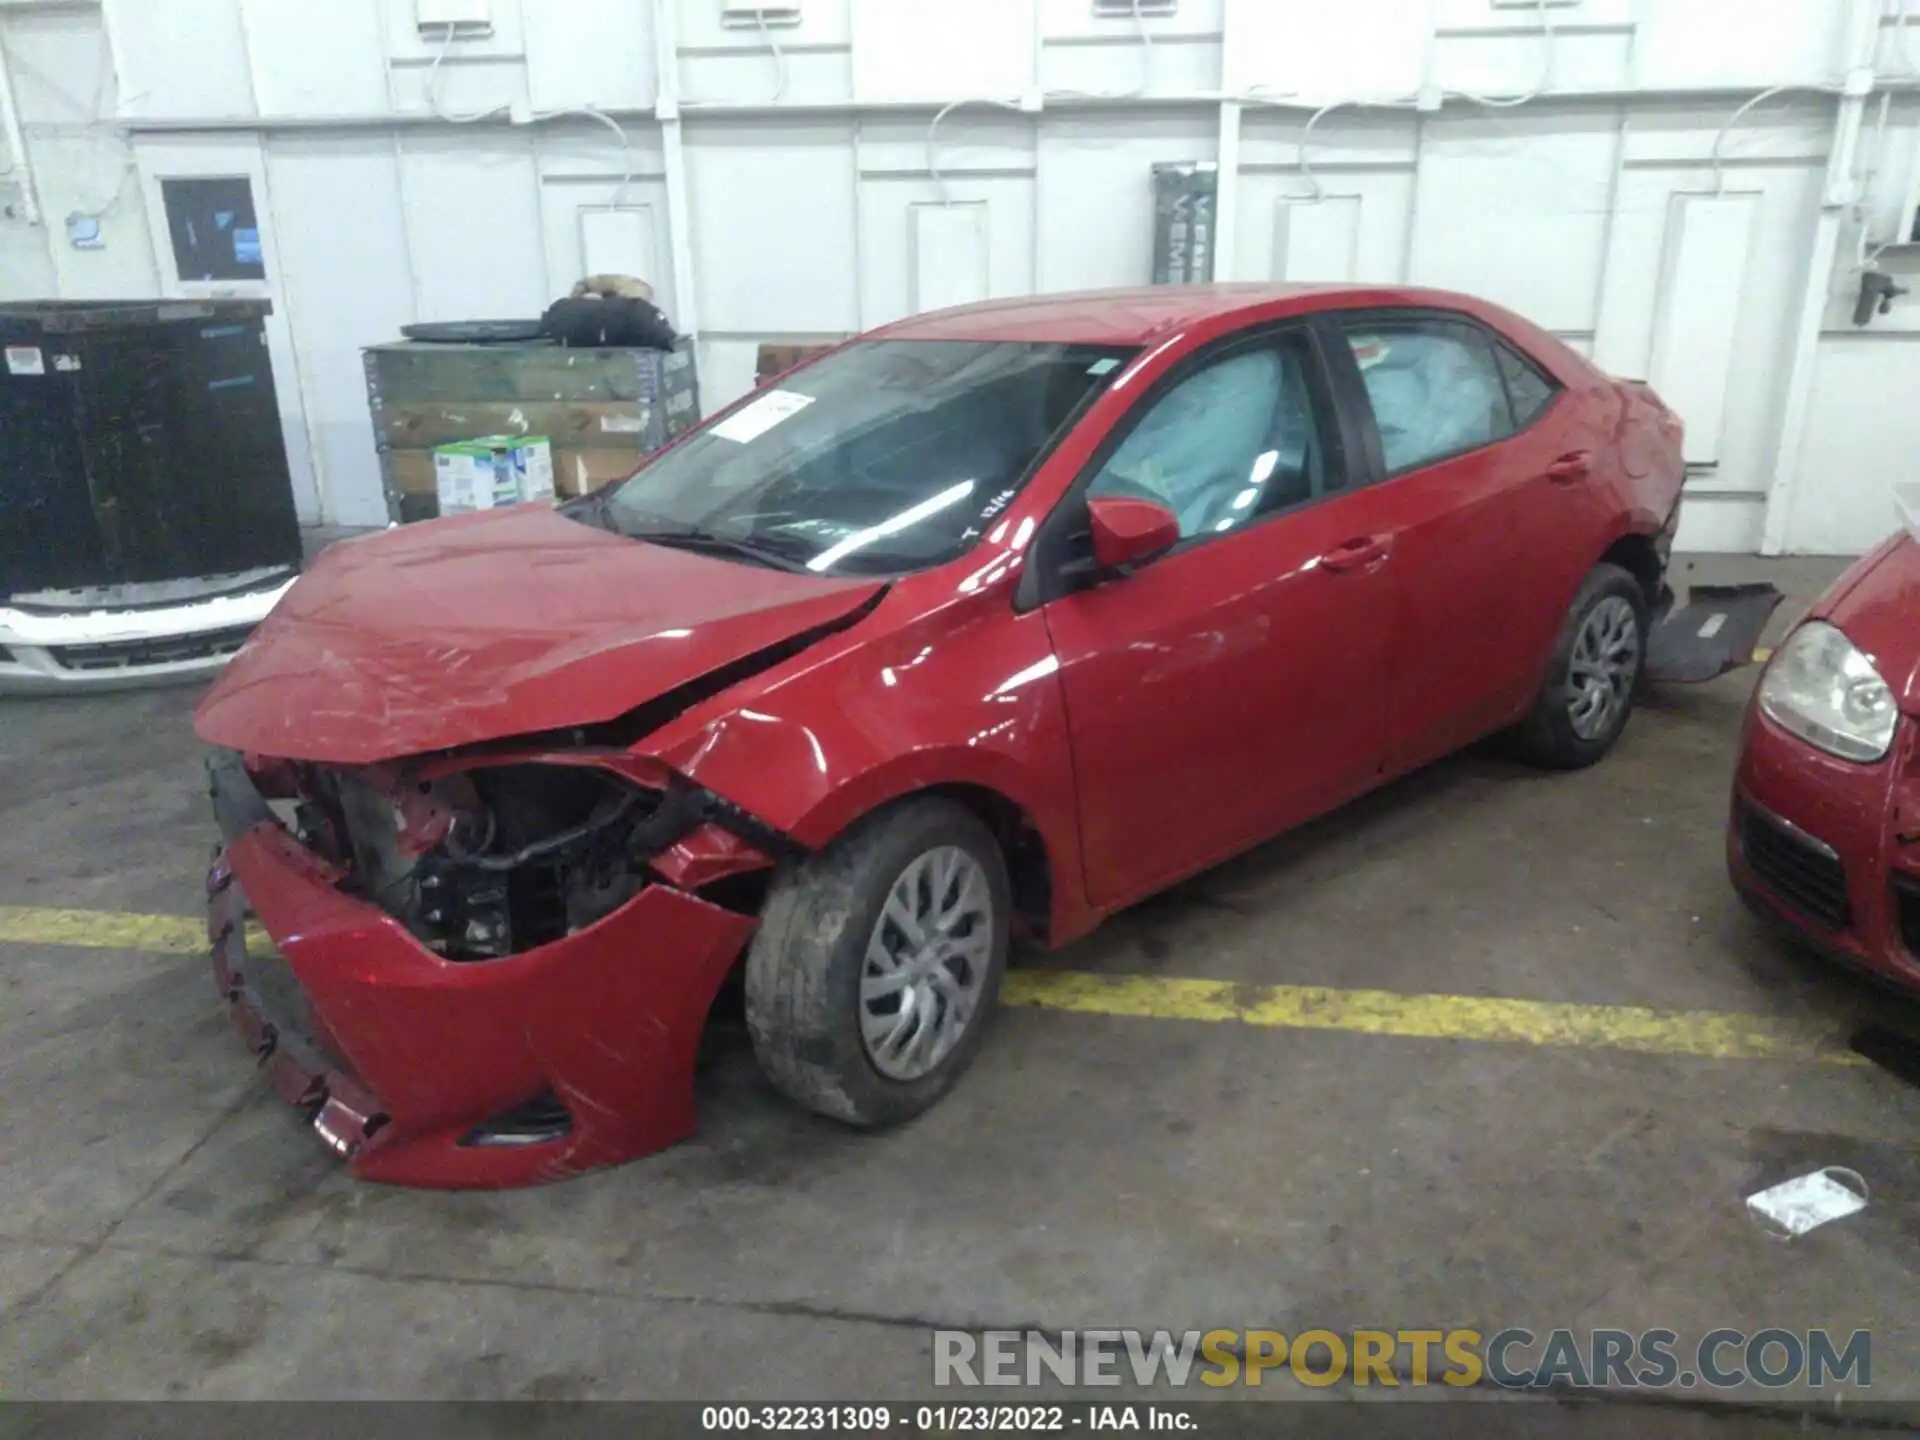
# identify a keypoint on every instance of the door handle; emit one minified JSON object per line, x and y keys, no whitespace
{"x":1357,"y":554}
{"x":1572,"y":466}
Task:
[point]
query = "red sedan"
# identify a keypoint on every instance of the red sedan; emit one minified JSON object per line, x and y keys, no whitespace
{"x":1825,"y":831}
{"x":988,"y":623}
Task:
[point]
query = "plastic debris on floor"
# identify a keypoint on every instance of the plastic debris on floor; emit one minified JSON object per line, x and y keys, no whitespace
{"x":1793,"y":1207}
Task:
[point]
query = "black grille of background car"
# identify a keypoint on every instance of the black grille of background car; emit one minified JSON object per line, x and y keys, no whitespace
{"x":165,"y":650}
{"x":1906,"y":908}
{"x":1796,"y":868}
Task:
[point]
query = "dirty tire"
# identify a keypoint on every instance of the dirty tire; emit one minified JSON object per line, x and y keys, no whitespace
{"x":1548,"y":737}
{"x":804,"y":967}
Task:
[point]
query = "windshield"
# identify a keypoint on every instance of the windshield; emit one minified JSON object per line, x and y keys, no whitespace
{"x":885,"y":456}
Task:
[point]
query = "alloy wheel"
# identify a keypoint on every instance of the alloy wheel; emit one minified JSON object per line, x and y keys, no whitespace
{"x":1605,"y":664}
{"x":926,"y":963}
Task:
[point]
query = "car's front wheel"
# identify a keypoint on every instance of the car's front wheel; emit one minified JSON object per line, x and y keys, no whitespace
{"x":877,"y":962}
{"x":1591,"y":680}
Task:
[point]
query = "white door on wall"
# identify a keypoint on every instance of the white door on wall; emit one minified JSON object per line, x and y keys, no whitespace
{"x":211,"y":220}
{"x":346,"y":272}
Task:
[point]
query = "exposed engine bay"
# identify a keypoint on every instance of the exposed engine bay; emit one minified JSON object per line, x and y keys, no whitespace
{"x":497,"y":859}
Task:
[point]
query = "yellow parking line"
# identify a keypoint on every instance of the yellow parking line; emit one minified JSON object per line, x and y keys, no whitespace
{"x":103,"y":930}
{"x":1713,"y":1034}
{"x":1762,"y":654}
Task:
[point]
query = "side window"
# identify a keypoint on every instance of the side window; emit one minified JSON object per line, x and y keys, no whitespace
{"x":1232,"y":442}
{"x":1434,"y":387}
{"x":1528,"y":389}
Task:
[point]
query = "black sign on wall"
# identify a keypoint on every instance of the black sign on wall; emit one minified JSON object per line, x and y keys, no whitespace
{"x":1184,"y":194}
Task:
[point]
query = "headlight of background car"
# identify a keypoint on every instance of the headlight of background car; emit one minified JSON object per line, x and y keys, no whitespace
{"x":1825,"y":691}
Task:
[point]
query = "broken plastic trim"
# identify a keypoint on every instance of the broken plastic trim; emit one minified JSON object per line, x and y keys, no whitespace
{"x":685,"y":807}
{"x":719,"y":811}
{"x":532,"y":1122}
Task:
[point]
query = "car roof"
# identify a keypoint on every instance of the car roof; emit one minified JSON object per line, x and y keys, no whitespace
{"x":1141,"y":315}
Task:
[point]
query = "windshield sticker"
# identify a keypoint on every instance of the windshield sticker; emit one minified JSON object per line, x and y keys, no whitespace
{"x":750,"y":422}
{"x":1102,"y":367}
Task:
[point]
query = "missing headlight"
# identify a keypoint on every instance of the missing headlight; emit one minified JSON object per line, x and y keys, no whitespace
{"x":495,"y":860}
{"x":541,"y":851}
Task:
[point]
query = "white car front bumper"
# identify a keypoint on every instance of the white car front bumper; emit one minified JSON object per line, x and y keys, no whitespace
{"x":45,"y":651}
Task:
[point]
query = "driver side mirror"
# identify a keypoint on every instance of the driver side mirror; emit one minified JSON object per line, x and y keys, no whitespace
{"x":1128,"y":532}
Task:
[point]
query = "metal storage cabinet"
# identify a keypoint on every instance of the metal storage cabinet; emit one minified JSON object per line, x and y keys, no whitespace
{"x":142,"y":445}
{"x":601,"y":410}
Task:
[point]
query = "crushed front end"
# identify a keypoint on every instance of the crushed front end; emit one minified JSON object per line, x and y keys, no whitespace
{"x":492,"y":969}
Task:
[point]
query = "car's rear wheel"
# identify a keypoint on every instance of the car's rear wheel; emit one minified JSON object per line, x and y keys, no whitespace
{"x":878,"y":961}
{"x":1593,"y":675}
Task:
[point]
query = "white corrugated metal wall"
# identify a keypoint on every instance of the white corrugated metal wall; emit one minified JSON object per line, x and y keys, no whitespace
{"x":780,"y":184}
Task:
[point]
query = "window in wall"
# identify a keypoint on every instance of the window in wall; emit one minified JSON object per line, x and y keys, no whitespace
{"x":1434,"y":388}
{"x":1232,"y":442}
{"x":211,"y":221}
{"x":1529,"y":391}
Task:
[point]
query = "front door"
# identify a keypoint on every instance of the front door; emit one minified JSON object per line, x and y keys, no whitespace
{"x":1236,"y":685}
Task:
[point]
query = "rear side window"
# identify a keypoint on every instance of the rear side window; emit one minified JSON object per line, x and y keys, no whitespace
{"x":1529,"y":391}
{"x":1434,"y":387}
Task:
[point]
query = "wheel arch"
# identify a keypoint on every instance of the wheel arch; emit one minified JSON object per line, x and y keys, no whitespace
{"x":1638,"y":555}
{"x":1022,"y":846}
{"x":1032,"y":861}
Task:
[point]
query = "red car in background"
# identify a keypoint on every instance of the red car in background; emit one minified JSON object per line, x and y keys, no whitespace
{"x":990,"y":622}
{"x":1825,"y":829}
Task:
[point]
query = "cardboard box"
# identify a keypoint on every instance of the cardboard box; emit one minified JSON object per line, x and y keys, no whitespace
{"x":492,"y":470}
{"x":775,"y":360}
{"x":411,"y":473}
{"x":580,"y":471}
{"x":532,"y":460}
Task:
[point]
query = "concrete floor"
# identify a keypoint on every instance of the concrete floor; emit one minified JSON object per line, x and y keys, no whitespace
{"x":167,"y":1229}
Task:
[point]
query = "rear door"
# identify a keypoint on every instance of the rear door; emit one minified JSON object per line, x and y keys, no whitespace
{"x":1235,"y":685}
{"x":1492,"y":491}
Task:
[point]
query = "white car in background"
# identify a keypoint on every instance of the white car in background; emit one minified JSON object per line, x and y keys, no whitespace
{"x":57,"y":642}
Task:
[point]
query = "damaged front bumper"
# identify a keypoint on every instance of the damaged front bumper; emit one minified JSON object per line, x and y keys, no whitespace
{"x":423,"y":1070}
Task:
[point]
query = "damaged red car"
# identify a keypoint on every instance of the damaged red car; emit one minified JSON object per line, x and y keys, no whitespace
{"x":1825,"y":827}
{"x":983,"y":625}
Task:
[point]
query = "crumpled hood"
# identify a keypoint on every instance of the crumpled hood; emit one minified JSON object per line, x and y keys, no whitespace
{"x":492,"y":625}
{"x":1877,"y":604}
